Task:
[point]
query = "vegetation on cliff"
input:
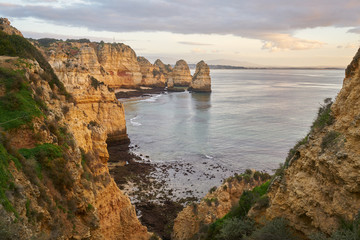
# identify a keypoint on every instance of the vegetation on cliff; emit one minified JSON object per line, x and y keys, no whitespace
{"x":17,"y":46}
{"x":37,"y":153}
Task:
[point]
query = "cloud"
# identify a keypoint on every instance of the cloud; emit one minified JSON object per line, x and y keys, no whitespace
{"x":257,"y":19}
{"x":275,"y":42}
{"x":195,"y":43}
{"x":349,"y":45}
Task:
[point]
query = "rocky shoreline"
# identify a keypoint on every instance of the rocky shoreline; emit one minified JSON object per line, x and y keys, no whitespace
{"x":154,"y":201}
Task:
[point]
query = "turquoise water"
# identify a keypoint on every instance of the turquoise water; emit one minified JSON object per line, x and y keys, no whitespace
{"x":250,"y":120}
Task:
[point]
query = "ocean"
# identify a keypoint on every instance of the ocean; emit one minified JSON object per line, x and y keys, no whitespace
{"x":249,"y":121}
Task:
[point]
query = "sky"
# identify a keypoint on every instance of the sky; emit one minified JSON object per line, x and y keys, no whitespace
{"x":294,"y":33}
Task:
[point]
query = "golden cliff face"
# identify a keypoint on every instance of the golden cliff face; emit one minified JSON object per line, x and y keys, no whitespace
{"x":201,"y":81}
{"x":86,"y":202}
{"x":81,"y":74}
{"x":216,"y":204}
{"x":113,"y":64}
{"x":180,"y":75}
{"x":72,"y":196}
{"x":151,"y":75}
{"x":321,"y":185}
{"x":97,"y":117}
{"x":7,"y":28}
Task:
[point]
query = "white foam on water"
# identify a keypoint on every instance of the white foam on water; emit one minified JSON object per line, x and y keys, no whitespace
{"x":151,"y":99}
{"x":134,"y":123}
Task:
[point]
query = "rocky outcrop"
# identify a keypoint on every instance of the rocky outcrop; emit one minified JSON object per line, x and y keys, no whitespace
{"x":201,"y":81}
{"x":115,"y":65}
{"x":216,"y":204}
{"x":65,"y":190}
{"x":164,"y":69}
{"x":180,"y":75}
{"x":7,"y":28}
{"x":151,"y":74}
{"x":321,"y":187}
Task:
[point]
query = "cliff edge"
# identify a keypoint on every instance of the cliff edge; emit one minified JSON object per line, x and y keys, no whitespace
{"x":55,"y":183}
{"x":318,"y":187}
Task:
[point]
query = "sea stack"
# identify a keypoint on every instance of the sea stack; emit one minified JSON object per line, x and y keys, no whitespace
{"x":151,"y":75}
{"x":164,"y":69}
{"x":201,"y":81}
{"x":181,"y":74}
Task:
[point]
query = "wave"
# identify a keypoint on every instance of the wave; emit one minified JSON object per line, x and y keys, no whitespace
{"x":151,"y":99}
{"x":134,"y":123}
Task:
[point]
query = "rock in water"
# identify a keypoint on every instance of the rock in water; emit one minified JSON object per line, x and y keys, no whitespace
{"x":201,"y":81}
{"x":164,"y":69}
{"x":151,"y":74}
{"x":181,"y":74}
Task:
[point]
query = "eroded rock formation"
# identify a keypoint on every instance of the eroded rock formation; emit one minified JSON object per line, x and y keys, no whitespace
{"x":216,"y":204}
{"x":151,"y":74}
{"x":181,"y":76}
{"x":72,"y":196}
{"x":201,"y":81}
{"x":7,"y":28}
{"x":115,"y":65}
{"x":321,"y":185}
{"x":164,"y":69}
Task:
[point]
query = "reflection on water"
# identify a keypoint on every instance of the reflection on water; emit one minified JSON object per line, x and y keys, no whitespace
{"x":250,"y":120}
{"x":202,"y":101}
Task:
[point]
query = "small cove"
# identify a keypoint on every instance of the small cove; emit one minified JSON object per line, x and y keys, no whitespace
{"x":250,"y":120}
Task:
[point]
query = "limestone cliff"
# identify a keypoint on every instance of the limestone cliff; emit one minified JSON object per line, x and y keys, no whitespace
{"x":7,"y":28}
{"x":180,"y":75}
{"x":53,"y":149}
{"x":215,"y":205}
{"x":151,"y":74}
{"x":115,"y":65}
{"x":164,"y":69}
{"x":201,"y":81}
{"x":320,"y":186}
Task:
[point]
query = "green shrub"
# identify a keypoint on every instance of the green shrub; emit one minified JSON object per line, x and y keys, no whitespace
{"x":329,"y":139}
{"x":235,"y":228}
{"x":276,"y":229}
{"x":43,"y":153}
{"x":213,"y":189}
{"x":52,"y":162}
{"x":6,"y":179}
{"x":247,"y":200}
{"x":262,"y":202}
{"x":17,"y":46}
{"x":324,"y":117}
{"x":17,"y":107}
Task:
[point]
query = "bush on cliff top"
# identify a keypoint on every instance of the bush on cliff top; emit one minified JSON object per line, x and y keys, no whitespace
{"x":324,"y":117}
{"x":246,"y":201}
{"x":17,"y":46}
{"x":17,"y":106}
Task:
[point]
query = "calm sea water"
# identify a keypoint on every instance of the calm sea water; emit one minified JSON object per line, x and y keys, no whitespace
{"x":250,"y":120}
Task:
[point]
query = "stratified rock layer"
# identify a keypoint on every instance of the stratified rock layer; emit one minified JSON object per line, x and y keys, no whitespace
{"x":115,"y":65}
{"x":90,"y":205}
{"x":181,"y":76}
{"x":321,"y":186}
{"x":201,"y":81}
{"x":151,"y":75}
{"x":164,"y":69}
